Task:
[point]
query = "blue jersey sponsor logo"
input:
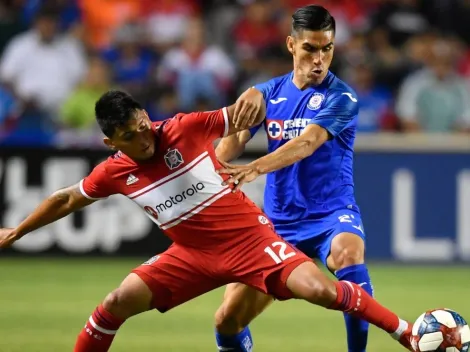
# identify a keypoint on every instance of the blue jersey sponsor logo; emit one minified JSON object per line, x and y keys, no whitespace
{"x":285,"y":129}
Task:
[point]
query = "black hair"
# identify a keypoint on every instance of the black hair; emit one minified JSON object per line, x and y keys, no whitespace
{"x":312,"y":18}
{"x":48,"y":12}
{"x":114,"y":109}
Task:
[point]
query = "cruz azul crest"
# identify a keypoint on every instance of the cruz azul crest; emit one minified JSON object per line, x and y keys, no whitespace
{"x":315,"y":101}
{"x":173,"y":159}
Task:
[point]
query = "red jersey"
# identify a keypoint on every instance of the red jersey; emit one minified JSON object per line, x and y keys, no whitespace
{"x":178,"y":187}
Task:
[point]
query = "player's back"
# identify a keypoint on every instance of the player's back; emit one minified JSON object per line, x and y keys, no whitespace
{"x":323,"y":182}
{"x":178,"y":187}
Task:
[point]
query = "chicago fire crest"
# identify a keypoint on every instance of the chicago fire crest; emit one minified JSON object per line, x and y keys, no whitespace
{"x":173,"y":159}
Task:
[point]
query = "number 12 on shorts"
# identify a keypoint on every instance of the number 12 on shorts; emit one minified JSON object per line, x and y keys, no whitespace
{"x":280,"y":248}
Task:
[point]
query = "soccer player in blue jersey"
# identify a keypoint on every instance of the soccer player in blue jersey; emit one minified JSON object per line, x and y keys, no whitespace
{"x":311,"y":118}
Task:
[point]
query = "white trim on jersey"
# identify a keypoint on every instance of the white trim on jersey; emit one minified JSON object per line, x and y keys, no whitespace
{"x":225,"y":113}
{"x":82,"y":191}
{"x":169,"y":177}
{"x":196,"y":210}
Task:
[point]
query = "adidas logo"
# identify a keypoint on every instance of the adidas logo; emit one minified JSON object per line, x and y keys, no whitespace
{"x":131,"y":180}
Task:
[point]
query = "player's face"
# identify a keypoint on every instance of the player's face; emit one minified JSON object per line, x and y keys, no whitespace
{"x":312,"y":52}
{"x":136,"y":139}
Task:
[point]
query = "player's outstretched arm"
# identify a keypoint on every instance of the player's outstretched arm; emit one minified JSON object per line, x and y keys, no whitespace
{"x":61,"y":203}
{"x":339,"y":111}
{"x":312,"y":137}
{"x":295,"y":150}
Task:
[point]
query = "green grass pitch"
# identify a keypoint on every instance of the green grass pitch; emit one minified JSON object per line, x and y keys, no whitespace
{"x":45,"y":302}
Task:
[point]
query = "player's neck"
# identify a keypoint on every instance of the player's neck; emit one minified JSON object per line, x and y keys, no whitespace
{"x":300,"y":83}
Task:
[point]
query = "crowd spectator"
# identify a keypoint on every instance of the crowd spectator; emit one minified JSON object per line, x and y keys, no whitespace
{"x":256,"y":30}
{"x":42,"y":66}
{"x":101,"y":18}
{"x":131,"y":62}
{"x":77,"y":117}
{"x":182,"y":55}
{"x":375,"y":101}
{"x":435,"y":98}
{"x":78,"y":110}
{"x":197,"y":70}
{"x":166,"y":20}
{"x":402,"y":19}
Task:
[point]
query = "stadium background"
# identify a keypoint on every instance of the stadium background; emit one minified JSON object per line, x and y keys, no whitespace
{"x":409,"y":61}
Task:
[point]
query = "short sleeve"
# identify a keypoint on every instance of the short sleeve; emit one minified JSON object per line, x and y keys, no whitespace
{"x":339,"y":110}
{"x":98,"y":184}
{"x":266,"y":88}
{"x":464,"y":120}
{"x":12,"y":59}
{"x":406,"y":107}
{"x":255,"y":129}
{"x":209,"y":125}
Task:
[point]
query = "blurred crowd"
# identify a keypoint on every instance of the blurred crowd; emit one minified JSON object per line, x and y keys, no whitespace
{"x":408,"y":60}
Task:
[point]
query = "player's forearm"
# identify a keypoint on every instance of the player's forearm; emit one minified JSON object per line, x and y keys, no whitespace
{"x":288,"y":154}
{"x":295,"y":150}
{"x":231,"y":147}
{"x":55,"y":207}
{"x":228,"y":151}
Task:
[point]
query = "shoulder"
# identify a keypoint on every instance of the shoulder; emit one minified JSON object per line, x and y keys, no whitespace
{"x":340,"y":95}
{"x":336,"y":86}
{"x":174,"y":57}
{"x":214,"y":51}
{"x":419,"y":79}
{"x":23,"y":41}
{"x":272,"y":85}
{"x":280,"y":80}
{"x":113,"y":165}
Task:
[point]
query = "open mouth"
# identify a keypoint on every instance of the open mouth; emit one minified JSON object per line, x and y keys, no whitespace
{"x":318,"y":71}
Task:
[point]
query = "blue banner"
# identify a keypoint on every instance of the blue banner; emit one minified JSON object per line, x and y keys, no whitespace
{"x":415,"y":206}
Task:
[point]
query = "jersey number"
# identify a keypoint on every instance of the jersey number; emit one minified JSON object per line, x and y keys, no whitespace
{"x":281,"y":253}
{"x":345,"y":218}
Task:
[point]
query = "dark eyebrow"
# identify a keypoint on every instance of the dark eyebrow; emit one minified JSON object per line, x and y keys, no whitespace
{"x":316,"y":47}
{"x":124,"y":133}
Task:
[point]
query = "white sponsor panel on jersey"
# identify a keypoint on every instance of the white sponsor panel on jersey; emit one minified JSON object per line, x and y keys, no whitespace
{"x":182,"y":194}
{"x":286,"y":129}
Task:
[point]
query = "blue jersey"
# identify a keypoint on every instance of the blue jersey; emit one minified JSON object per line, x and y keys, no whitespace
{"x":322,"y":183}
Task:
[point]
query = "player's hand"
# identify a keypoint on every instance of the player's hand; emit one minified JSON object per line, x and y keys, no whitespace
{"x":247,"y":108}
{"x":239,"y":174}
{"x":7,"y":237}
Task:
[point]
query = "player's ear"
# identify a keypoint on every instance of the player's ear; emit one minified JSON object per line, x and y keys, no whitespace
{"x":290,"y":44}
{"x":146,"y":114}
{"x":109,"y":143}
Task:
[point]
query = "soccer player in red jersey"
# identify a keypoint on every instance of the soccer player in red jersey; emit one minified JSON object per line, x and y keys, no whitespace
{"x":219,"y":235}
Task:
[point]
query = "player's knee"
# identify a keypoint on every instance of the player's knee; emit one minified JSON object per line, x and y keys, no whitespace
{"x":131,"y":298}
{"x":309,"y":283}
{"x":227,"y":321}
{"x":347,"y":256}
{"x":320,"y":293}
{"x":114,"y":303}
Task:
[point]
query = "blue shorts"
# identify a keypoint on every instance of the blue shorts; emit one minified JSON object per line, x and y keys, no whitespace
{"x":314,"y":236}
